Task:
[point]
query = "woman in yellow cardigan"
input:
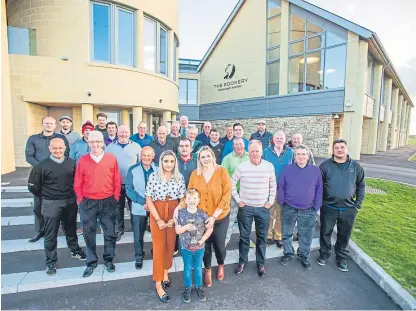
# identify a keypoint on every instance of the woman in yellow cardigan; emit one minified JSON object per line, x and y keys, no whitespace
{"x":214,"y":184}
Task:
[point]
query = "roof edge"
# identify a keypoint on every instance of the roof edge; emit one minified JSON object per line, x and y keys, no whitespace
{"x":221,"y":33}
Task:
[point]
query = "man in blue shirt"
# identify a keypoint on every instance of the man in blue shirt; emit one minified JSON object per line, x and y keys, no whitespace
{"x":137,"y":177}
{"x":204,"y":136}
{"x":238,"y":133}
{"x":141,"y":137}
{"x":262,"y":134}
{"x":280,"y":155}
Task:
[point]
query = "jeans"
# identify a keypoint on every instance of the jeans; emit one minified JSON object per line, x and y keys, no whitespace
{"x":138,"y":224}
{"x":217,"y":240}
{"x":90,"y":210}
{"x":53,"y":212}
{"x":306,"y":219}
{"x":261,"y":216}
{"x":120,"y":209}
{"x":345,"y":221}
{"x":39,"y":220}
{"x":192,"y":259}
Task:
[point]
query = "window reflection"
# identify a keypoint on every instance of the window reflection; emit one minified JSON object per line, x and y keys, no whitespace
{"x":317,"y":42}
{"x":273,"y":71}
{"x":125,"y":38}
{"x":335,"y":67}
{"x":314,"y":29}
{"x":149,"y":32}
{"x":188,"y":91}
{"x":297,"y":27}
{"x":163,"y":56}
{"x":273,"y":54}
{"x":273,"y":7}
{"x":297,"y":47}
{"x":315,"y":71}
{"x":332,"y":39}
{"x":274,"y":31}
{"x":101,"y":32}
{"x":296,"y":74}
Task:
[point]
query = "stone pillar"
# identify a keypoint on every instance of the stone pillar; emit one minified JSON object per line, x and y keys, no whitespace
{"x":125,"y":117}
{"x":137,"y":116}
{"x":384,"y":127}
{"x":284,"y":47}
{"x":174,"y":117}
{"x":374,"y":123}
{"x":403,"y":124}
{"x":355,"y":78}
{"x":7,"y":137}
{"x":96,"y":110}
{"x":167,"y":116}
{"x":150,"y":127}
{"x":399,"y":125}
{"x":171,"y":54}
{"x":87,"y":113}
{"x":394,"y":107}
{"x":409,"y":116}
{"x":139,"y":40}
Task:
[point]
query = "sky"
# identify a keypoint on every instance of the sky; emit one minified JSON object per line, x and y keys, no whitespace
{"x":393,"y":21}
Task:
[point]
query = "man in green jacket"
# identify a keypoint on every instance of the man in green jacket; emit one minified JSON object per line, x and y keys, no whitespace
{"x":230,"y":163}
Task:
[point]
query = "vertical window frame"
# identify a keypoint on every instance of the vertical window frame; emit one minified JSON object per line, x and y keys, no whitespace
{"x":268,"y":49}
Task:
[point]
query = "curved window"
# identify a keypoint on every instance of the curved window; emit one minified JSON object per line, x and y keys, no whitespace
{"x":317,"y":58}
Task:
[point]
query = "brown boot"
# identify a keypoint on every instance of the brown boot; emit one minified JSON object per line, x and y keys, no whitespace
{"x":208,"y":278}
{"x":220,"y":273}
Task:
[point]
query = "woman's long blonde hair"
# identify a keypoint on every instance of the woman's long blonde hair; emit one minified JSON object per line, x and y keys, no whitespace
{"x":199,"y":163}
{"x":175,"y":173}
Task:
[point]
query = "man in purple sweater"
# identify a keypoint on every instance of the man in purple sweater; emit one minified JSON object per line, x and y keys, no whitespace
{"x":300,"y":198}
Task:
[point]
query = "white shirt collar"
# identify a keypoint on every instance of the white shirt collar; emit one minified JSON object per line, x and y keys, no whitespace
{"x":98,"y":158}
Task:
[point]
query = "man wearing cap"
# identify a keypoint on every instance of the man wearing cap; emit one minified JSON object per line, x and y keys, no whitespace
{"x":141,"y":137}
{"x":66,"y":125}
{"x":262,"y":134}
{"x":37,"y":149}
{"x":97,"y":187}
{"x":127,"y":153}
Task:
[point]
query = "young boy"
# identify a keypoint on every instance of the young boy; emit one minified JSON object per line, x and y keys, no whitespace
{"x":190,"y":225}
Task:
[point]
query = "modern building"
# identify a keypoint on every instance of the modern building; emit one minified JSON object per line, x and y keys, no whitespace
{"x":304,"y":70}
{"x":81,"y":57}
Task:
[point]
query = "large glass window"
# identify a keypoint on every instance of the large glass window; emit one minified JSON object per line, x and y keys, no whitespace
{"x":273,"y":47}
{"x":163,"y":53}
{"x":113,"y":32}
{"x":175,"y":46}
{"x":370,"y":76}
{"x":188,"y":91}
{"x":125,"y":37}
{"x":21,"y":40}
{"x":149,"y":33}
{"x":317,"y":57}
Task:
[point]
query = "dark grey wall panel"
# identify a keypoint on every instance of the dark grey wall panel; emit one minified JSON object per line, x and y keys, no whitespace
{"x":191,"y":111}
{"x":325,"y":102}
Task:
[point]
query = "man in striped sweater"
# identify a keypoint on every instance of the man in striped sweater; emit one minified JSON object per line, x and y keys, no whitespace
{"x":257,"y":194}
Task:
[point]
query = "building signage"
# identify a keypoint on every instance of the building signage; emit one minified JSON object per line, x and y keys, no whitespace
{"x":228,"y":82}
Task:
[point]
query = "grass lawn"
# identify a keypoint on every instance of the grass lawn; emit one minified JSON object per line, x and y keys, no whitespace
{"x":412,"y":140}
{"x":386,"y":230}
{"x":413,"y":158}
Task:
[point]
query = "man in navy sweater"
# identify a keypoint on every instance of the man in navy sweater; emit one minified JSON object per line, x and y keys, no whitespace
{"x":300,"y":198}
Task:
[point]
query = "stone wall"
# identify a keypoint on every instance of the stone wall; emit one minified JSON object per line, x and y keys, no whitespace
{"x":317,"y":131}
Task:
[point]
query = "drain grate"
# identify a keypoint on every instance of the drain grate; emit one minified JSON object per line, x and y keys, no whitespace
{"x":372,"y":190}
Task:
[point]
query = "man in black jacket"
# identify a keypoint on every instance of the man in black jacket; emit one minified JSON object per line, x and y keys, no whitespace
{"x":162,"y":144}
{"x":37,"y":149}
{"x":52,"y":179}
{"x":344,"y":190}
{"x":215,"y":145}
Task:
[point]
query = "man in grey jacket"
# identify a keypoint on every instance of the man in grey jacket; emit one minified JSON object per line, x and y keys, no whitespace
{"x":137,"y":177}
{"x":127,"y":154}
{"x":66,"y":130}
{"x":37,"y":149}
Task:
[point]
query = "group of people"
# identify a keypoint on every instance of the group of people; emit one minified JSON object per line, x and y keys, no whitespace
{"x":192,"y":188}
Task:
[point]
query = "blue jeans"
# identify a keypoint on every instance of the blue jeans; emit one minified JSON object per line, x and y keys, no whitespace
{"x":192,"y":259}
{"x":306,"y":219}
{"x":245,"y":217}
{"x":138,"y":224}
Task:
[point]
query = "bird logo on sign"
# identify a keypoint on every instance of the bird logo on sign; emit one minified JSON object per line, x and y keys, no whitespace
{"x":229,"y":71}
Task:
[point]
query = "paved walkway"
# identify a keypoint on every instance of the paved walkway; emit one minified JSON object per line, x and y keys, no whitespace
{"x":397,"y":157}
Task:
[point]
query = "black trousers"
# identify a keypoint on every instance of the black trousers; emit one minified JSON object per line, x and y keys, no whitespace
{"x":55,"y":211}
{"x":217,"y":240}
{"x":39,"y":220}
{"x":345,"y":221}
{"x":106,"y":210}
{"x":120,"y":209}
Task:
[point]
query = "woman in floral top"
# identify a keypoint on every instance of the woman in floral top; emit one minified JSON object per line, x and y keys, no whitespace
{"x":164,"y":191}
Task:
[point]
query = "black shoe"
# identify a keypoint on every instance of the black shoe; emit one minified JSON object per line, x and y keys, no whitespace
{"x":88,"y":271}
{"x":187,"y":294}
{"x":200,"y":293}
{"x":239,"y":269}
{"x":118,"y":236}
{"x":79,"y":255}
{"x":36,"y":238}
{"x":164,"y":298}
{"x":284,"y":261}
{"x":51,"y":269}
{"x":261,"y":271}
{"x":138,"y":265}
{"x":110,"y":266}
{"x":166,"y":284}
{"x":279,"y":243}
{"x":342,"y":265}
{"x":305,"y":263}
{"x":269,"y":242}
{"x":321,"y":261}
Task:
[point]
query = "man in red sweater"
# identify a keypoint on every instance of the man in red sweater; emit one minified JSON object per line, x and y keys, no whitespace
{"x":97,"y":187}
